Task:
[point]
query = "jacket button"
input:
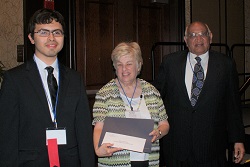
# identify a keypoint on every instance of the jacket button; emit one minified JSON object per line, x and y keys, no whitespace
{"x":194,"y":111}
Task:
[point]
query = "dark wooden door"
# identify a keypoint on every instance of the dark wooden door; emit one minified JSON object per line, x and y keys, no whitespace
{"x":102,"y":24}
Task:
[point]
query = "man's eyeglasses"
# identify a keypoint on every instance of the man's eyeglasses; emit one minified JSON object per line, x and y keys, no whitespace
{"x":46,"y":33}
{"x":194,"y":35}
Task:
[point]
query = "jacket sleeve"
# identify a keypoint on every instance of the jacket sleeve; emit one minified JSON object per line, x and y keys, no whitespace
{"x":9,"y":116}
{"x":235,"y":124}
{"x":84,"y":131}
{"x":160,"y":80}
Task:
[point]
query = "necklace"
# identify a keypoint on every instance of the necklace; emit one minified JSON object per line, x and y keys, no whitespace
{"x":129,"y":102}
{"x":139,"y":104}
{"x":136,"y":113}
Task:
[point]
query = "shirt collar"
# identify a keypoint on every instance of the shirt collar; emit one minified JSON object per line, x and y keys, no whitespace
{"x":41,"y":65}
{"x":203,"y":56}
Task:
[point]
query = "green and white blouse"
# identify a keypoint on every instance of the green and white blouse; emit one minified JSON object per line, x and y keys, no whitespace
{"x":108,"y":103}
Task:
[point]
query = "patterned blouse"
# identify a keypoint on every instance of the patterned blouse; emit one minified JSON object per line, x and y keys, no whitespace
{"x":108,"y":102}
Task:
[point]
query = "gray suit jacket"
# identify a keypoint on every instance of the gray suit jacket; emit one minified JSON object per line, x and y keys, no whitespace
{"x":25,"y":115}
{"x":216,"y":119}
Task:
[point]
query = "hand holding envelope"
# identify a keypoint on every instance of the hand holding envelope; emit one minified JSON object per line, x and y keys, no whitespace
{"x":128,"y":133}
{"x":107,"y":149}
{"x":125,"y":141}
{"x":156,"y":133}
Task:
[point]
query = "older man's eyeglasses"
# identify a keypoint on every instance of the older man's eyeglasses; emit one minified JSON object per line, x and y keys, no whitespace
{"x":46,"y":33}
{"x":194,"y":35}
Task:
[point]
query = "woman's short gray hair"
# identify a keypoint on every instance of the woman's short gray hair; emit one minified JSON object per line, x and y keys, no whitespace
{"x":125,"y":48}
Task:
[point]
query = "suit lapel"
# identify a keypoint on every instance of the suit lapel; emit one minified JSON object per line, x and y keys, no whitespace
{"x":212,"y":73}
{"x":37,"y":86}
{"x":63,"y":86}
{"x":180,"y":76}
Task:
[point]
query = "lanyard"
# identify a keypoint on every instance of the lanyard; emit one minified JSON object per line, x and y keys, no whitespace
{"x":49,"y":102}
{"x":54,"y":109}
{"x":129,"y":102}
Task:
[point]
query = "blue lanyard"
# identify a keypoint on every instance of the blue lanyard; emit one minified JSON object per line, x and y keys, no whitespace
{"x":129,"y":102}
{"x":50,"y":104}
{"x":55,"y":107}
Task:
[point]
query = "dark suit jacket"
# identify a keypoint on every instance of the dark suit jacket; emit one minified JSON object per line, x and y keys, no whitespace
{"x":216,"y":118}
{"x":25,"y":115}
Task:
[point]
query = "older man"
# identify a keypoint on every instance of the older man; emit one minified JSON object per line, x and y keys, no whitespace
{"x":200,"y":91}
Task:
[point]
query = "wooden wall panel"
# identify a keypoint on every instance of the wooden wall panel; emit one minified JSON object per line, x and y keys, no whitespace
{"x":99,"y":43}
{"x":102,"y":24}
{"x":149,"y":31}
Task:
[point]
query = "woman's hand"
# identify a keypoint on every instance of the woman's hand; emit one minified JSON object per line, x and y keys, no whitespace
{"x":156,"y":135}
{"x":162,"y":130}
{"x":106,"y":150}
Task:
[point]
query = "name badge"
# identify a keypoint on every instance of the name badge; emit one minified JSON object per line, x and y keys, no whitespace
{"x":56,"y":133}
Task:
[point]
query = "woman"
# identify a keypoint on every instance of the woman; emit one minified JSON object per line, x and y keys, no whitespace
{"x":129,"y":97}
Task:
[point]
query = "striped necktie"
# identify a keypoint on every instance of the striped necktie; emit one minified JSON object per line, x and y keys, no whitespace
{"x":52,"y":84}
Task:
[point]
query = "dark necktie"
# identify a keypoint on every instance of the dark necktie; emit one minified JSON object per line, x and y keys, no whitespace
{"x":197,"y":82}
{"x":52,"y":84}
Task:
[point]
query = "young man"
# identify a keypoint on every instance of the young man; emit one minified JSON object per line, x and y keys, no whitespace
{"x":31,"y":114}
{"x":200,"y":91}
